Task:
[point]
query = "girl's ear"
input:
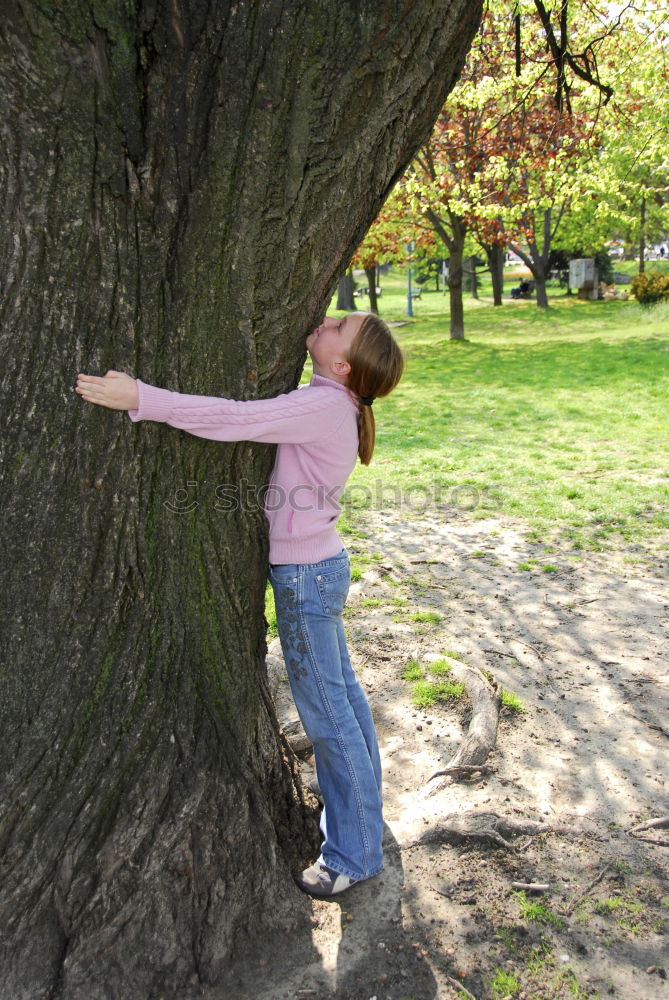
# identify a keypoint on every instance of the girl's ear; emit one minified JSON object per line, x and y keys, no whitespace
{"x":341,"y":367}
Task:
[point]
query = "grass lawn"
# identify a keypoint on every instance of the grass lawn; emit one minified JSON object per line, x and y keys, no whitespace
{"x":558,"y":418}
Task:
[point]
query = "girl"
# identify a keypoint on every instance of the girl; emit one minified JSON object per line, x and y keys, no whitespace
{"x":320,"y":429}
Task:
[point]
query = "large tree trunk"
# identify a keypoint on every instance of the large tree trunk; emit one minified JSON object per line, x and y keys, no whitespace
{"x":181,"y":186}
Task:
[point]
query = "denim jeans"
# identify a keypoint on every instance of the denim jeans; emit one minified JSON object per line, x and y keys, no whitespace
{"x":309,"y":601}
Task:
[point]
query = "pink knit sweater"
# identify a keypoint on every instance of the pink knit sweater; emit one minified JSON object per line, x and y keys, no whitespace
{"x":316,"y":430}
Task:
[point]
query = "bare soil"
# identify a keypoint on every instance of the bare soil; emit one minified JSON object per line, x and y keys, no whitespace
{"x":583,"y":643}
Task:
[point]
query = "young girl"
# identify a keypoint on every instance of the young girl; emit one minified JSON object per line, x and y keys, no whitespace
{"x":320,"y":430}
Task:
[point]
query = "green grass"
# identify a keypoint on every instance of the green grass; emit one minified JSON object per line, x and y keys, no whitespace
{"x":427,"y":693}
{"x":412,"y":671}
{"x":537,"y":912}
{"x":557,"y":418}
{"x":439,"y":667}
{"x":504,"y":984}
{"x":424,"y":692}
{"x":512,"y":702}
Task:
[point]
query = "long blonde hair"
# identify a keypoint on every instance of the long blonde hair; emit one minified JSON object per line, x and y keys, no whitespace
{"x":376,"y":367}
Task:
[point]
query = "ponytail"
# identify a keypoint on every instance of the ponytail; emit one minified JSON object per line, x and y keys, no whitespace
{"x":376,"y":367}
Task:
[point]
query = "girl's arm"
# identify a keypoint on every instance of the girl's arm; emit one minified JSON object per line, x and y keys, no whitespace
{"x":298,"y":417}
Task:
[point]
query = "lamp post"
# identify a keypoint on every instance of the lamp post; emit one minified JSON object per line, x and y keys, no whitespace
{"x":410,"y":249}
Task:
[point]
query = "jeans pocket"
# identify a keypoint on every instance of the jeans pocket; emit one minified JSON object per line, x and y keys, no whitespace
{"x":333,"y":589}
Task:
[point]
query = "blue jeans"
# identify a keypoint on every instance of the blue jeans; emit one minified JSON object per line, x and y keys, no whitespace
{"x":309,"y":601}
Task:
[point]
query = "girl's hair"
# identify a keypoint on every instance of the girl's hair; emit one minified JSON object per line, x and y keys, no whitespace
{"x":376,"y":367}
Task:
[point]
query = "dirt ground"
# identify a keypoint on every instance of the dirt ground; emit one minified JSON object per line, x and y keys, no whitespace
{"x":583,"y":643}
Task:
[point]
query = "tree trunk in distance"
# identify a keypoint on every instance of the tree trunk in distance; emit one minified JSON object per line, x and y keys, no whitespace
{"x":182,"y":185}
{"x":452,"y":233}
{"x":539,"y":274}
{"x":370,"y":274}
{"x":472,"y":276}
{"x":345,"y":292}
{"x":455,"y":271}
{"x":536,"y":259}
{"x":495,"y":257}
{"x":642,"y":234}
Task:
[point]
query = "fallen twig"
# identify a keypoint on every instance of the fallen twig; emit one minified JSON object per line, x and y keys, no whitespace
{"x":531,"y":886}
{"x":457,"y":985}
{"x":498,"y":652}
{"x":574,"y":903}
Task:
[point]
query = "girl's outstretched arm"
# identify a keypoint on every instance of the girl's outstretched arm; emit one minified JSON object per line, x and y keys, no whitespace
{"x":115,"y":390}
{"x":298,"y":417}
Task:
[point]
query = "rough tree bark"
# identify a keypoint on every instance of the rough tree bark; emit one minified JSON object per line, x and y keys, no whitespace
{"x":181,"y":185}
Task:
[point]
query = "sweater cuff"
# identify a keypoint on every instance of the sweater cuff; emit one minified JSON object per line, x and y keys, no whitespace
{"x":154,"y":403}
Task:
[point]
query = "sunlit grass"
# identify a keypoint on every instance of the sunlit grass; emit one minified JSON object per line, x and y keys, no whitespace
{"x":558,"y":418}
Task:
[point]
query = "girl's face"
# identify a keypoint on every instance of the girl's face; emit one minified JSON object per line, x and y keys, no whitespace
{"x":329,"y":345}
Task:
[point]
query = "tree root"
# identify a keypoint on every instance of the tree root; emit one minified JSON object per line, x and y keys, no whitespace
{"x":485,"y":696}
{"x":650,"y":824}
{"x":486,"y":826}
{"x":463,"y":771}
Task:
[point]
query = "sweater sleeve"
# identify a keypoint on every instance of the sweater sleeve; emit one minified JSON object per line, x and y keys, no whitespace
{"x":298,"y":417}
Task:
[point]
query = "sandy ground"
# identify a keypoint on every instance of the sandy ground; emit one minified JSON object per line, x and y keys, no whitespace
{"x":584,"y":647}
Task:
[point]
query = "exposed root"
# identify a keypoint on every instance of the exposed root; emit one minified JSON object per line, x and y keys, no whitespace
{"x":486,"y":826}
{"x":650,"y":824}
{"x":485,"y":696}
{"x":463,"y":771}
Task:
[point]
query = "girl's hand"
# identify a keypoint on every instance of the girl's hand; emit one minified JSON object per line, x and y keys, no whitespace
{"x":115,"y":390}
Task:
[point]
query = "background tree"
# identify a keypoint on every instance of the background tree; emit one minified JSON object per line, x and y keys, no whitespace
{"x":538,"y":141}
{"x":630,"y":185}
{"x":181,"y":187}
{"x":511,"y":151}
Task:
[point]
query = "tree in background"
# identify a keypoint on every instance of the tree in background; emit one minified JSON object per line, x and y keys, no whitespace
{"x":542,"y":132}
{"x":182,"y":186}
{"x":511,"y":154}
{"x":630,"y":185}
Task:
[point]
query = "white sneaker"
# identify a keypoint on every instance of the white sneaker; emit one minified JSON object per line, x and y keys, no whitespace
{"x":319,"y":880}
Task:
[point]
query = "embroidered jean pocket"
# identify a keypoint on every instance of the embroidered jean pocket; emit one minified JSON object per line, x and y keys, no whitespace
{"x":333,"y":589}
